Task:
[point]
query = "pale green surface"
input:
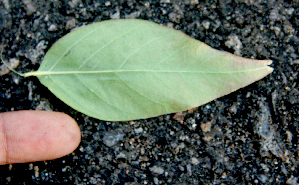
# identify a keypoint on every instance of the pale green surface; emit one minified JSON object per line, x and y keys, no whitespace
{"x":132,"y":69}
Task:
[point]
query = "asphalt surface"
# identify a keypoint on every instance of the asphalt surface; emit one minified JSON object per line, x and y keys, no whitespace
{"x":247,"y":137}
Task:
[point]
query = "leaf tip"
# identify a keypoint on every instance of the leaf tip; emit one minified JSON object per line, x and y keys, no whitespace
{"x":270,"y":69}
{"x":268,"y":62}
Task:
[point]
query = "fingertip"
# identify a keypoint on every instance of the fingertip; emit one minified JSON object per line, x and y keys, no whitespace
{"x":27,"y":136}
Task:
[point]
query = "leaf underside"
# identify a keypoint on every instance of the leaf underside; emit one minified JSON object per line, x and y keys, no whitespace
{"x":132,"y":69}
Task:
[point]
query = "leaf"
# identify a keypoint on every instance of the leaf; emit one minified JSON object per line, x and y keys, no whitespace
{"x":132,"y":69}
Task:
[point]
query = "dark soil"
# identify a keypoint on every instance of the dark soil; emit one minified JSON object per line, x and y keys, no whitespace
{"x":254,"y":131}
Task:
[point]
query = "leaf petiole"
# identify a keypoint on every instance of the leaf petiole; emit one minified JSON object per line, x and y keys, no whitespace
{"x":10,"y":68}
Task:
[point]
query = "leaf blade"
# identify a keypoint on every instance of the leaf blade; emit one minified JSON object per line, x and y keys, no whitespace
{"x":132,"y":69}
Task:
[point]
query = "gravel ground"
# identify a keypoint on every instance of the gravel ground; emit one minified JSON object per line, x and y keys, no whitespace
{"x":247,"y":137}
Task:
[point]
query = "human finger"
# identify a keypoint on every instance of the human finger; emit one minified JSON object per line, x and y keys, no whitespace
{"x":27,"y":136}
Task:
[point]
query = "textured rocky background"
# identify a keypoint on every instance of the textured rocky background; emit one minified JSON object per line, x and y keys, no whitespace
{"x":247,"y":137}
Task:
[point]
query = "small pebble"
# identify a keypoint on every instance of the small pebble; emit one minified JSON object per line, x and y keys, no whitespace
{"x":194,"y":161}
{"x":121,"y":156}
{"x":138,"y":130}
{"x":290,"y":11}
{"x":30,"y":8}
{"x":156,"y":180}
{"x":206,"y":127}
{"x":165,"y":1}
{"x":235,"y":43}
{"x":156,"y":169}
{"x":36,"y":171}
{"x":289,"y":136}
{"x":296,"y":61}
{"x":13,"y":63}
{"x":52,"y":27}
{"x":206,"y":24}
{"x":133,"y":15}
{"x":263,"y":178}
{"x":116,"y":15}
{"x":108,"y":3}
{"x":111,"y":138}
{"x":292,"y":180}
{"x":70,"y":24}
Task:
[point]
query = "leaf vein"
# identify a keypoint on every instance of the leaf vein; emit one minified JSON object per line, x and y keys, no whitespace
{"x":43,"y":73}
{"x":98,"y":95}
{"x":170,"y":87}
{"x":192,"y":84}
{"x":137,"y":91}
{"x":144,"y":46}
{"x":236,"y":78}
{"x":210,"y":81}
{"x":68,"y":49}
{"x":108,"y":43}
{"x":163,"y":60}
{"x":67,"y":93}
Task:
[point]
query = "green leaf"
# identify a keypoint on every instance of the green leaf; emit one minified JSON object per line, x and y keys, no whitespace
{"x":132,"y":69}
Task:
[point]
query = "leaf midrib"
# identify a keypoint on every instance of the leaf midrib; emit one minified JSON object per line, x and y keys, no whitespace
{"x":45,"y":73}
